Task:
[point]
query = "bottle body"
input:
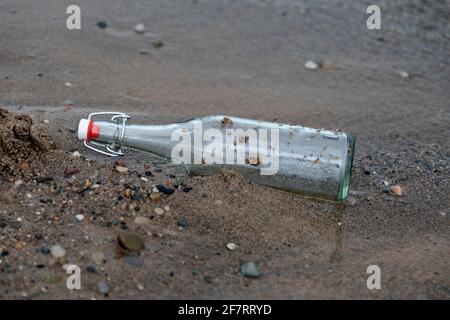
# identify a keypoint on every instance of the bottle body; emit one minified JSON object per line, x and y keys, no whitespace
{"x":293,"y":158}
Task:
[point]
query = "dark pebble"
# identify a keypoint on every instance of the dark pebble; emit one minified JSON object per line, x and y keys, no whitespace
{"x":45,"y":200}
{"x":102,"y":24}
{"x":45,"y":250}
{"x":3,"y":224}
{"x":367,"y":172}
{"x":182,"y":222}
{"x":187,"y":189}
{"x":91,"y":269}
{"x":40,"y":266}
{"x":157,"y":44}
{"x":148,"y":173}
{"x":43,"y":179}
{"x":71,"y":171}
{"x":386,"y":189}
{"x":165,"y":189}
{"x":4,"y":253}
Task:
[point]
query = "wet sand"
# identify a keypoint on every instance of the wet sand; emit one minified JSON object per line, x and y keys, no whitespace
{"x":243,"y":59}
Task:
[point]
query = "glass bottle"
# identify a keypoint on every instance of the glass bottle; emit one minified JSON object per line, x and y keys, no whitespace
{"x":313,"y":162}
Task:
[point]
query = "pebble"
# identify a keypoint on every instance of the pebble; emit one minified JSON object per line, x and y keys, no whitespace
{"x":182,"y":222}
{"x":144,"y":52}
{"x":57,"y":251}
{"x":140,"y":221}
{"x":98,"y":258}
{"x":130,"y":241}
{"x":91,"y":269}
{"x":187,"y":189}
{"x":71,"y":171}
{"x":68,"y":103}
{"x":250,"y":270}
{"x":231,"y":246}
{"x":157,"y":44}
{"x":218,"y":202}
{"x":403,"y":74}
{"x":155,"y":197}
{"x":122,"y":170}
{"x":76,"y":154}
{"x":442,"y":213}
{"x":68,"y":84}
{"x":133,"y":261}
{"x":102,"y":24}
{"x":159,"y":211}
{"x":18,"y":183}
{"x":43,"y":179}
{"x":311,"y":65}
{"x":140,"y":287}
{"x":165,"y":189}
{"x":167,"y":208}
{"x":45,"y":250}
{"x":127,"y":193}
{"x":397,"y":191}
{"x":103,"y":288}
{"x":79,"y":217}
{"x":351,"y":201}
{"x":139,"y":28}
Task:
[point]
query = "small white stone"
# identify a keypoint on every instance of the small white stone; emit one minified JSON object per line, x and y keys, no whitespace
{"x":403,"y":74}
{"x":46,"y":121}
{"x":123,"y":170}
{"x":57,"y":251}
{"x":140,"y":287}
{"x":139,"y":28}
{"x":155,"y":190}
{"x":79,"y":217}
{"x":29,"y":195}
{"x":167,"y":208}
{"x":141,"y":221}
{"x":18,"y":183}
{"x":76,"y":154}
{"x":98,"y":258}
{"x":218,"y":202}
{"x":442,"y":213}
{"x":68,"y":84}
{"x":231,"y":246}
{"x":159,"y":211}
{"x":311,"y":65}
{"x":144,"y":179}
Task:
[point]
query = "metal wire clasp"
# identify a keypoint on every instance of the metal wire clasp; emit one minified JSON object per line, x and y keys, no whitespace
{"x":113,"y":149}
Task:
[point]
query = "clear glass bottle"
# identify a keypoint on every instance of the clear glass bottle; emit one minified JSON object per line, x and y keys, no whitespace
{"x":293,"y":158}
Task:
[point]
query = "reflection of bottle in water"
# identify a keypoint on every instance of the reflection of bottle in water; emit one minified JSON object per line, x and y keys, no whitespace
{"x":293,"y":158}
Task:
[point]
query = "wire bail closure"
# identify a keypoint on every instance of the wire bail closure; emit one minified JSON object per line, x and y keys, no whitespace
{"x":113,"y":149}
